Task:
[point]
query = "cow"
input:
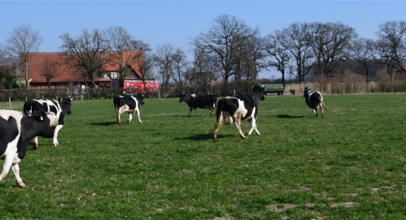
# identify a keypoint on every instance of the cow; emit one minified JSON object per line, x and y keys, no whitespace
{"x":130,"y":104}
{"x":199,"y":101}
{"x":237,"y":108}
{"x":16,"y":131}
{"x":59,"y":108}
{"x":314,"y":100}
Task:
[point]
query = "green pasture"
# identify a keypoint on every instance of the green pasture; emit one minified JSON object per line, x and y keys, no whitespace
{"x":349,"y":165}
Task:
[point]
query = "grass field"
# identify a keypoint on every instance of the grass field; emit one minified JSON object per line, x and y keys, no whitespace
{"x":349,"y":165}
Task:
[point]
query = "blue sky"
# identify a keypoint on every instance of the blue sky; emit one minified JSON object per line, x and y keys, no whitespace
{"x":161,"y":22}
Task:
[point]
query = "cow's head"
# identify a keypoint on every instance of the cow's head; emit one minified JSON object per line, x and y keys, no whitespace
{"x":181,"y":97}
{"x":258,"y":91}
{"x":65,"y":104}
{"x":41,"y":122}
{"x":306,"y":91}
{"x":140,"y":99}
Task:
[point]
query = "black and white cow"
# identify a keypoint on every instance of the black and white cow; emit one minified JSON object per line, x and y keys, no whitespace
{"x":59,"y":109}
{"x":130,"y":104}
{"x":16,"y":131}
{"x":199,"y":101}
{"x":238,"y":108}
{"x":314,"y":100}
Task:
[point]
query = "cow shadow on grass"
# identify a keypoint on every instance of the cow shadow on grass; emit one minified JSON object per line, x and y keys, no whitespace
{"x":104,"y":123}
{"x":289,"y":116}
{"x":199,"y":137}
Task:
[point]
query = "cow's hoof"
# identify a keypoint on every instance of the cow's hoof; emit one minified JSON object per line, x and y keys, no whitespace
{"x":242,"y":137}
{"x":140,"y":122}
{"x":21,"y":185}
{"x":35,"y":147}
{"x":214,"y":139}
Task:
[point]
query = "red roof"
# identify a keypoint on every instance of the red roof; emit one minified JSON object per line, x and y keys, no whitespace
{"x":66,"y":74}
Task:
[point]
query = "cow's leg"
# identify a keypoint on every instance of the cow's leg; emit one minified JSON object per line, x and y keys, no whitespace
{"x":130,"y":117}
{"x":56,"y":130}
{"x":8,"y":160}
{"x":195,"y":112}
{"x":138,"y":114}
{"x":217,"y":125}
{"x":238,"y":126}
{"x":321,"y":109}
{"x":120,"y":111}
{"x":35,"y":143}
{"x":118,"y":117}
{"x":190,"y":111}
{"x":315,"y":111}
{"x":253,"y":126}
{"x":16,"y":169}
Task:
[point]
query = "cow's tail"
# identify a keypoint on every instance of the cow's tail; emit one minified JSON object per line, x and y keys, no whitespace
{"x":323,"y":105}
{"x":115,"y":104}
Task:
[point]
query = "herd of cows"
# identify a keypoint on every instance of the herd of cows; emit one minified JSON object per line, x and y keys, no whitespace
{"x":45,"y":118}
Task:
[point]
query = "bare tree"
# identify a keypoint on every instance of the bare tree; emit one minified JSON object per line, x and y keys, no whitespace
{"x":180,"y":68}
{"x":22,"y":43}
{"x":144,"y":59}
{"x":279,"y":57}
{"x":85,"y":52}
{"x":362,"y":52}
{"x":220,"y":44}
{"x":330,"y":43}
{"x":120,"y":41}
{"x":249,"y":54}
{"x":164,"y":62}
{"x":48,"y":68}
{"x":205,"y":70}
{"x":296,"y":39}
{"x":390,"y":47}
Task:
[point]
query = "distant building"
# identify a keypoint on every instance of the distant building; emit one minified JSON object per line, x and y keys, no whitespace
{"x":60,"y":75}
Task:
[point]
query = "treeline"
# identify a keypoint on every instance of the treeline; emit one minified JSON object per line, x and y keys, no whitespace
{"x":232,"y":53}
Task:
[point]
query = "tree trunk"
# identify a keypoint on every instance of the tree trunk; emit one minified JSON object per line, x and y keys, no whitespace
{"x":27,"y":80}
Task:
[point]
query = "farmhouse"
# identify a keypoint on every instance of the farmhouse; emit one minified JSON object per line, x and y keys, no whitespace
{"x":51,"y":70}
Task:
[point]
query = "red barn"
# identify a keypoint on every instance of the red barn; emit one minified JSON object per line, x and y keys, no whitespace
{"x":137,"y":86}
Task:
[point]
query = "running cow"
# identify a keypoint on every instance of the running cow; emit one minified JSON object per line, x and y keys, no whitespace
{"x":314,"y":100}
{"x":16,"y":131}
{"x":199,"y":101}
{"x":238,"y":108}
{"x":130,"y":104}
{"x":57,"y":108}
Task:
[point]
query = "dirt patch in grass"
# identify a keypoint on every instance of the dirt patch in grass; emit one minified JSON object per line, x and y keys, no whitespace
{"x":281,"y":207}
{"x":224,"y":218}
{"x":345,"y":204}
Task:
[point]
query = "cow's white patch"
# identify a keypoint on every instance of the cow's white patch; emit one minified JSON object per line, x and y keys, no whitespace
{"x":193,"y":95}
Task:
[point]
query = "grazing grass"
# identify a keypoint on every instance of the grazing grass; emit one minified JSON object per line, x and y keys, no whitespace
{"x":349,"y":165}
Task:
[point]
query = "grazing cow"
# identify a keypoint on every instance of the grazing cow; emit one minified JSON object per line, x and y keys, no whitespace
{"x":314,"y":100}
{"x":130,"y":104}
{"x":58,"y":108}
{"x":199,"y":101}
{"x":238,"y":108}
{"x":16,"y":131}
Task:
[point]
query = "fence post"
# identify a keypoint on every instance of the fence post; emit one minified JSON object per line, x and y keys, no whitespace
{"x":9,"y":102}
{"x":80,"y":95}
